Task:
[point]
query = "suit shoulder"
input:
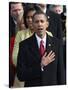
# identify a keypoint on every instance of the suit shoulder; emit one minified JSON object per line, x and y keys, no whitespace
{"x":26,"y":41}
{"x":54,"y":39}
{"x":54,"y":15}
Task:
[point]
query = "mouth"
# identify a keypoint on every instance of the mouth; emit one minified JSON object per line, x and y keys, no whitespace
{"x":40,"y":29}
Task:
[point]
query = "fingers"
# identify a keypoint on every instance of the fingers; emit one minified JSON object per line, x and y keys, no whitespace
{"x":53,"y":54}
{"x":50,"y":53}
{"x":48,"y":58}
{"x":53,"y":59}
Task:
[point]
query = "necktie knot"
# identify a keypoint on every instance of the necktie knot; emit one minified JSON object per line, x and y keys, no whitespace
{"x":42,"y":42}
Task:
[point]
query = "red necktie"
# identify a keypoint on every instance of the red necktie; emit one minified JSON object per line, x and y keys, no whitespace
{"x":42,"y":50}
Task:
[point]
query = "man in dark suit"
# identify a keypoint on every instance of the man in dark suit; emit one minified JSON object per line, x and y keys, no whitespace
{"x":16,"y":12}
{"x":40,"y":64}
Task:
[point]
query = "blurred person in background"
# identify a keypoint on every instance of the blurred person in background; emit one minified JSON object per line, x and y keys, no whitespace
{"x":15,"y":13}
{"x":60,"y":10}
{"x":22,"y":35}
{"x":57,"y":8}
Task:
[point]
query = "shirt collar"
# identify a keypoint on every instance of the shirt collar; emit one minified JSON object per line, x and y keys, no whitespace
{"x":39,"y":39}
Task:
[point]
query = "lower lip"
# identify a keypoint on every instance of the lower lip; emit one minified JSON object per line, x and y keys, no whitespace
{"x":40,"y":29}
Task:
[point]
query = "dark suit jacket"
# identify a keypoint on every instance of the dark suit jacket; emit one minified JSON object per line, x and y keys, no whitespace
{"x":28,"y":65}
{"x":55,"y":24}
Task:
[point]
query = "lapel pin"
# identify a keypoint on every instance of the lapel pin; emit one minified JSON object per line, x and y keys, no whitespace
{"x":49,"y":45}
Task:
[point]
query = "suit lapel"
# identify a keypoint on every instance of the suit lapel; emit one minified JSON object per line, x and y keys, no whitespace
{"x":34,"y":47}
{"x":49,"y":45}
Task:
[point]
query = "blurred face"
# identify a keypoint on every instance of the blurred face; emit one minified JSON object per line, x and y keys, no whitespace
{"x":40,"y":24}
{"x":17,"y":11}
{"x":58,"y":9}
{"x":29,"y":19}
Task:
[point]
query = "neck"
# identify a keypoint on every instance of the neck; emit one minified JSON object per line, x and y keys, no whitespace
{"x":41,"y":35}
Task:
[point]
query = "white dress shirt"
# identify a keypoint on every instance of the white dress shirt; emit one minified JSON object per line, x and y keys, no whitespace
{"x":39,"y":39}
